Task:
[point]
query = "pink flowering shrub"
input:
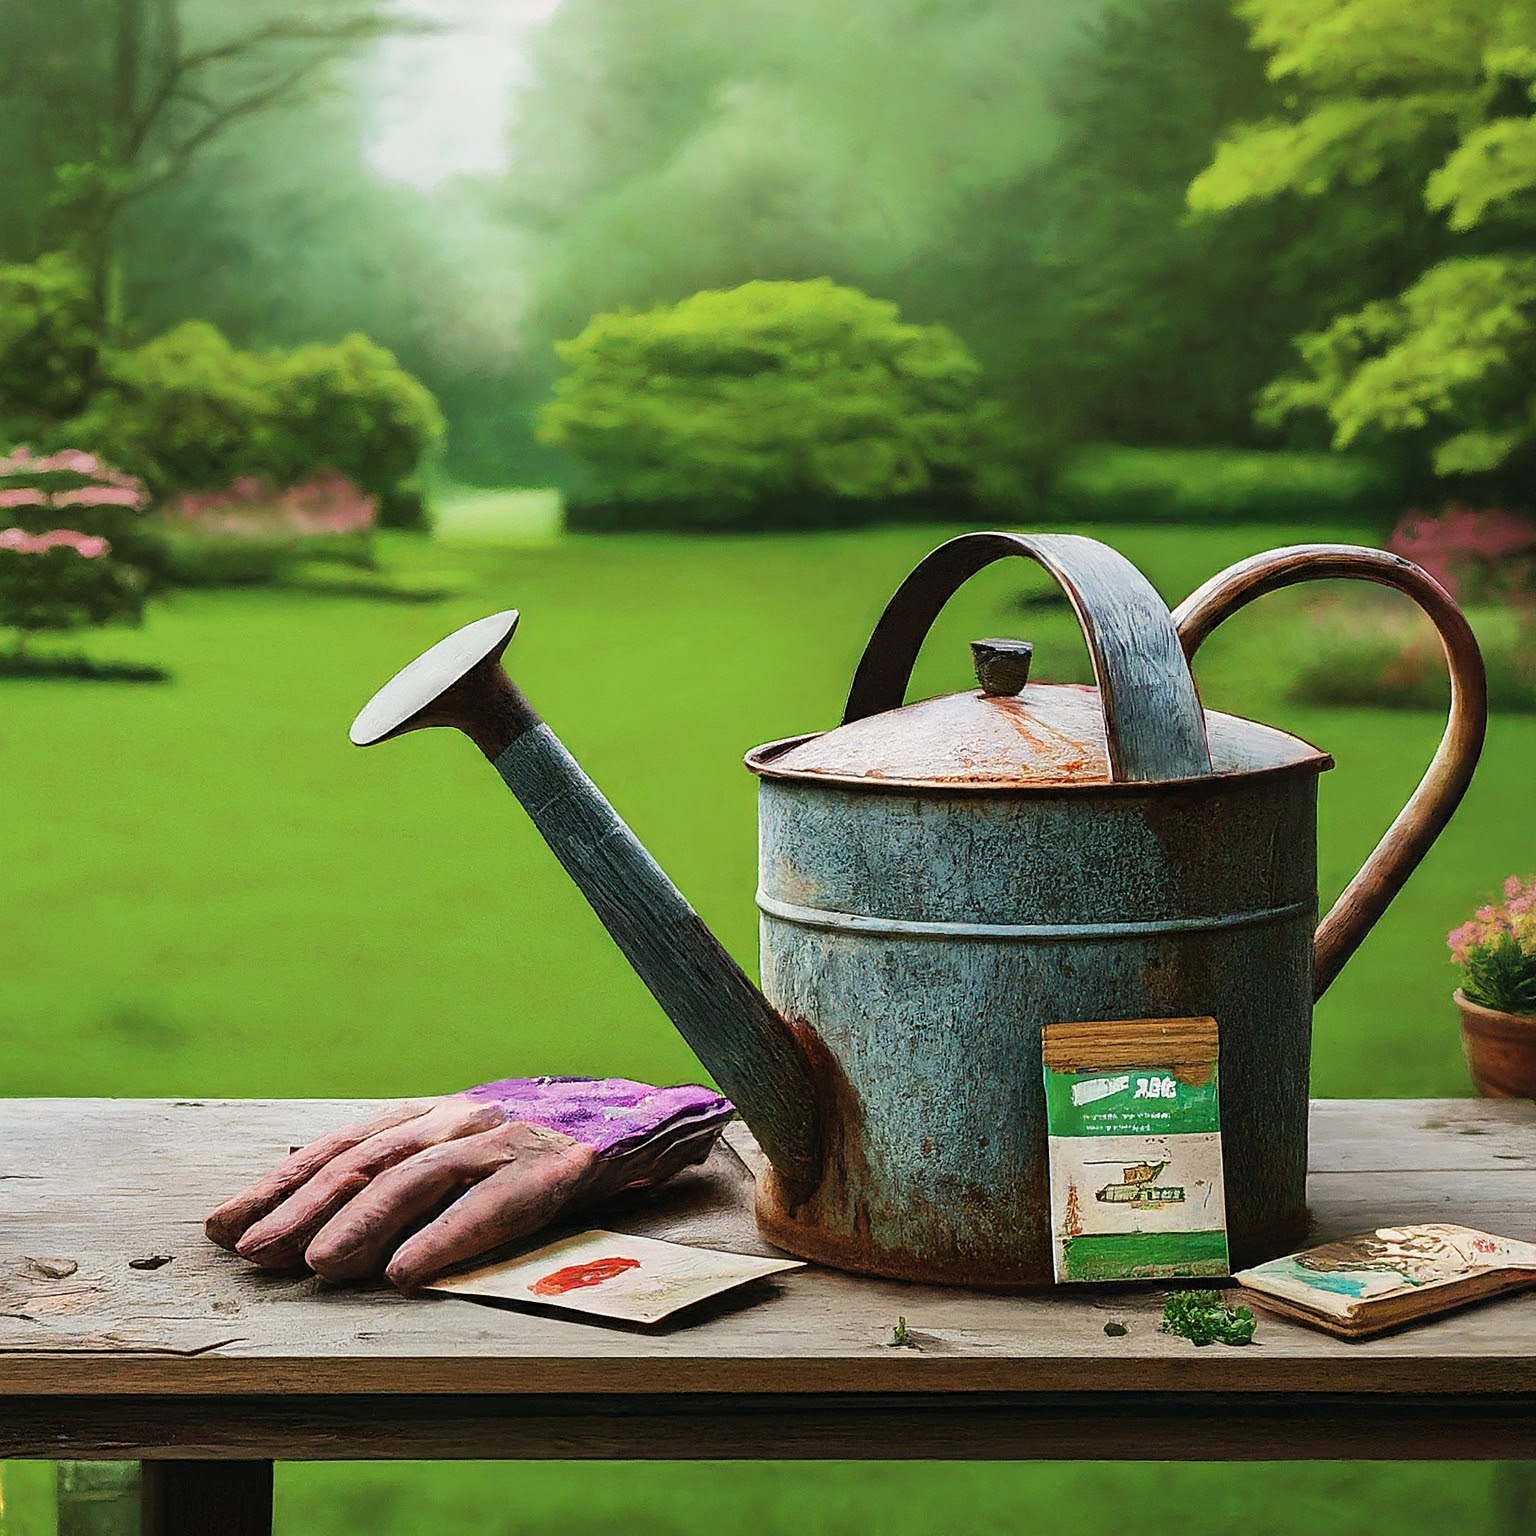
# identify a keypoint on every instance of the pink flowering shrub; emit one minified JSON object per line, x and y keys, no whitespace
{"x":251,"y":532}
{"x":1476,"y":555}
{"x":1370,"y":647}
{"x":327,"y":503}
{"x":1496,"y":950}
{"x":74,"y":545}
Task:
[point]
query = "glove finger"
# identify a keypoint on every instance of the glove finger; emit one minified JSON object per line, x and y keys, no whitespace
{"x":513,"y":1202}
{"x":279,"y":1239}
{"x":227,"y":1225}
{"x":356,"y":1241}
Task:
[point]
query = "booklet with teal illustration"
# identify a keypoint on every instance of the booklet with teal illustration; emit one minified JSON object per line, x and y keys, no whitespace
{"x":1390,"y":1277}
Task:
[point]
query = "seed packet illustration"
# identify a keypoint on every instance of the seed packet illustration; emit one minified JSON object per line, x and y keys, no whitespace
{"x":1135,"y":1150}
{"x":608,"y":1274}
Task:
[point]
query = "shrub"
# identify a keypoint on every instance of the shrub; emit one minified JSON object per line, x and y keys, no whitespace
{"x":191,"y":412}
{"x":775,"y":403}
{"x":185,"y":411}
{"x":406,"y":507}
{"x":54,"y":577}
{"x":1106,"y":483}
{"x":1476,"y":555}
{"x":1371,"y":648}
{"x":352,"y":407}
{"x":49,"y":347}
{"x":250,"y":532}
{"x":1496,"y":951}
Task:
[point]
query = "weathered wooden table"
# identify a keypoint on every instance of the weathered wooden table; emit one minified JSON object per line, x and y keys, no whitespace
{"x":208,"y":1370}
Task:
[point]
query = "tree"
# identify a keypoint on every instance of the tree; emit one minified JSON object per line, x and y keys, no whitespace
{"x":1098,"y":307}
{"x":770,"y":401}
{"x":1442,"y":97}
{"x":145,"y":102}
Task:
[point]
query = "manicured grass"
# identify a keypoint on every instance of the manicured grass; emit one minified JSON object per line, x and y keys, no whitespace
{"x":208,"y":891}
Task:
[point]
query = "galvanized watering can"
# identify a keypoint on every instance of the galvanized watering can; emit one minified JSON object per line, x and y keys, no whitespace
{"x":940,"y":880}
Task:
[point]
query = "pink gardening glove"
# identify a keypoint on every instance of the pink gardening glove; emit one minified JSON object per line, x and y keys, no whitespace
{"x":479,"y":1168}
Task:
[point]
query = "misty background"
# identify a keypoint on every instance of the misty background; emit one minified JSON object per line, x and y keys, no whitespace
{"x":466,"y":182}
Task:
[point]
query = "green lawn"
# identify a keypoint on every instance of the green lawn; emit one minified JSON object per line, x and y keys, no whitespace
{"x":207,"y":891}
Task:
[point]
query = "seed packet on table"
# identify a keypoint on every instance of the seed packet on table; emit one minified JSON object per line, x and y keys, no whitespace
{"x":1135,"y":1149}
{"x":608,"y":1274}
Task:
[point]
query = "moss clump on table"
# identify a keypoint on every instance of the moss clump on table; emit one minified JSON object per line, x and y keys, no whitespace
{"x":1204,"y":1317}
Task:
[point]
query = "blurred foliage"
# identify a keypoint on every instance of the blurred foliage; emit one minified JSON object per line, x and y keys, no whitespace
{"x":1110,"y":483}
{"x":190,"y":411}
{"x":49,"y":342}
{"x":770,"y":402}
{"x":1378,"y":655}
{"x":1014,"y":169}
{"x":75,"y":550}
{"x":663,"y":147}
{"x":1099,"y":308}
{"x":1377,"y":88}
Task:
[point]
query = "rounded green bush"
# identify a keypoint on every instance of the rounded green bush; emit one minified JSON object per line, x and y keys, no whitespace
{"x":190,"y":411}
{"x":771,"y":403}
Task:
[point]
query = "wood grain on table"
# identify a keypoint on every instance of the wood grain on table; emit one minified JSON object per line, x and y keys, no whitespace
{"x":206,"y":1356}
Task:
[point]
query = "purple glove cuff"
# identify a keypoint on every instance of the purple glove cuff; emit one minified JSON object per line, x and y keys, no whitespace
{"x":610,"y":1114}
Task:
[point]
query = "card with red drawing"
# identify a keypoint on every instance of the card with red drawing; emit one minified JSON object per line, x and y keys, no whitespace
{"x":611,"y":1275}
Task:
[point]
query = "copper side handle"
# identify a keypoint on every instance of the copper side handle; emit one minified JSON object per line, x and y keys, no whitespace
{"x":1431,"y":805}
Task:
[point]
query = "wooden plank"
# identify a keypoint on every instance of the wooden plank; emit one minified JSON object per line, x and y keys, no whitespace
{"x":102,"y":1182}
{"x":197,"y":1498}
{"x":1186,"y":1426}
{"x":1422,"y":1135}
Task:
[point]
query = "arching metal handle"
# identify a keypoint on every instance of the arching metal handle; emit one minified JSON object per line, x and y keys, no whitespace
{"x":1153,"y":722}
{"x":1430,"y":806}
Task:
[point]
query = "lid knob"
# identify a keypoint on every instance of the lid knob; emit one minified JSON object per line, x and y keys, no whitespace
{"x":1002,"y":666}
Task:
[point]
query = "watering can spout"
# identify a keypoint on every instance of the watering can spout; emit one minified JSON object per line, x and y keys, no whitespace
{"x":748,"y":1047}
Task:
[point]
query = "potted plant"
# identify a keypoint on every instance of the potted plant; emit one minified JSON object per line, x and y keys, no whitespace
{"x":1496,"y":952}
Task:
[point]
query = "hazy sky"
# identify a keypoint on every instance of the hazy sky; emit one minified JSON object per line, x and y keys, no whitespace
{"x":440,"y":106}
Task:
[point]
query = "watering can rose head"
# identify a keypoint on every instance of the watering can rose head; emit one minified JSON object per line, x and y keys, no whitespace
{"x":941,"y":880}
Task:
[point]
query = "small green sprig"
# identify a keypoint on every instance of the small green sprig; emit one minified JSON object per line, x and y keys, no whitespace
{"x":1203,"y":1317}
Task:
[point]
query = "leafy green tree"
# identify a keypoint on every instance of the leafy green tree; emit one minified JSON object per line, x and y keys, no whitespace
{"x":1374,"y":90}
{"x":113,"y":100}
{"x":1097,"y":305}
{"x":768,"y":401}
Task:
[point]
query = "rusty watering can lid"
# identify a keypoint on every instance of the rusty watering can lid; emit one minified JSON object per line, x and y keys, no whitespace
{"x":1142,"y":724}
{"x":1047,"y":735}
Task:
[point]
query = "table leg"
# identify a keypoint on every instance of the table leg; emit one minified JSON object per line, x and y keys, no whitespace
{"x":197,"y":1498}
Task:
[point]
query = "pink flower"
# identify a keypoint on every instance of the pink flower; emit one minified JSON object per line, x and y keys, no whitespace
{"x":326,"y":503}
{"x":20,"y":542}
{"x":1514,"y":918}
{"x":100,"y":496}
{"x":1486,"y":545}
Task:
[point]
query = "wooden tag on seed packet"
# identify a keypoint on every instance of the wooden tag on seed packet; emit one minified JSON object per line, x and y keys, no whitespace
{"x":1134,"y":1123}
{"x":611,"y":1275}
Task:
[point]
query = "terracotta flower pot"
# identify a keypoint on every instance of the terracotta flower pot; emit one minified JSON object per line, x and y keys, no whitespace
{"x":1501,"y":1050}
